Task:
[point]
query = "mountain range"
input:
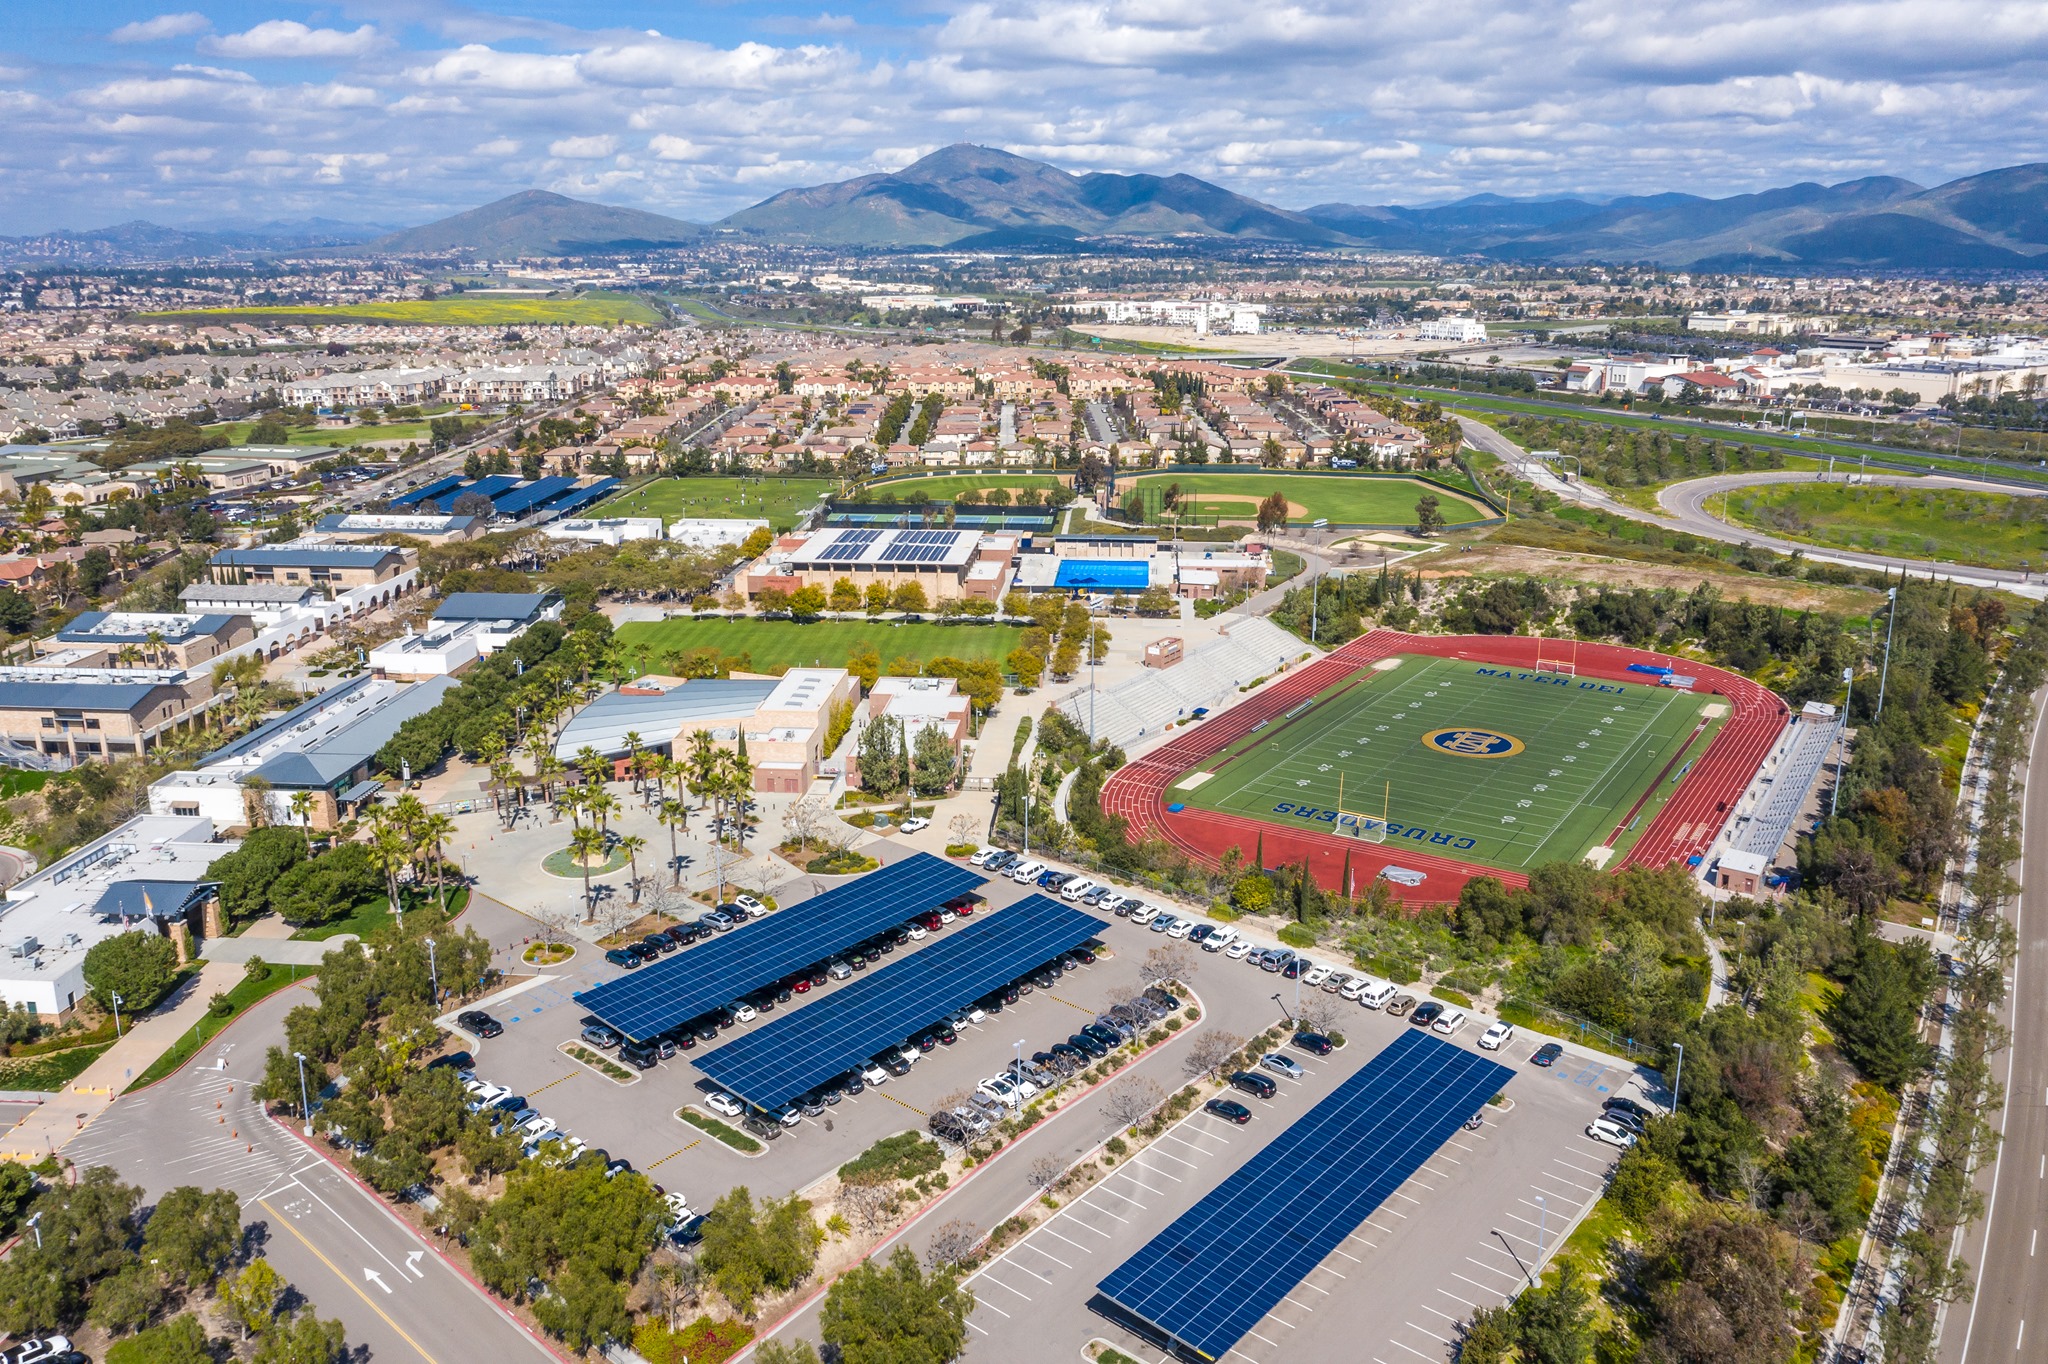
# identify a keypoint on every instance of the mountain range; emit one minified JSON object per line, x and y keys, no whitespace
{"x":966,"y":197}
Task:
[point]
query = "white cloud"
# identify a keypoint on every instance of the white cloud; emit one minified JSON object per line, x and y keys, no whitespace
{"x":288,"y":38}
{"x":497,"y":146}
{"x":583,"y":148}
{"x":161,"y":28}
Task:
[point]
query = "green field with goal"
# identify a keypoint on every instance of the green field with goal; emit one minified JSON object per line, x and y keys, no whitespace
{"x":1504,"y":767}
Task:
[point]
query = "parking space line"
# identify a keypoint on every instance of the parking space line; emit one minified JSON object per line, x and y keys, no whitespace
{"x":1474,"y":1282}
{"x":1142,"y":1184}
{"x":1047,"y":1229}
{"x":1297,"y":1302}
{"x":1154,"y":1151}
{"x":1353,"y":1258}
{"x":1125,"y":1197}
{"x":1274,"y":1343}
{"x":1318,"y":1287}
{"x":1398,"y":1194}
{"x":1000,"y":1284}
{"x":1490,"y":1269}
{"x":1022,"y":1270}
{"x":1043,"y":1251}
{"x":1438,"y":1313}
{"x":1545,"y":1174}
{"x":1413,"y":1351}
{"x":971,"y":1322}
{"x":1150,"y":1171}
{"x":1083,"y":1225}
{"x":1384,"y":1231}
{"x":1455,"y":1298}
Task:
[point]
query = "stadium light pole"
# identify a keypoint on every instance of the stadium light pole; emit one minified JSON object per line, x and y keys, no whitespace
{"x":1890,"y":616}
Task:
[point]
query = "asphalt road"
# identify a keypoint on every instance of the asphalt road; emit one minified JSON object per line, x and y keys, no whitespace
{"x":2005,"y":1248}
{"x":340,"y":1246}
{"x":1687,"y":504}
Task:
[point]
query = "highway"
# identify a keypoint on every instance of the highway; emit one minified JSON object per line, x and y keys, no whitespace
{"x":2004,"y":1249}
{"x":339,"y":1245}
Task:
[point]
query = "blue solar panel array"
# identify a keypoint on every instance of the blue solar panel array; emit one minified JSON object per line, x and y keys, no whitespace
{"x":848,"y":546}
{"x":800,"y":1051}
{"x":584,"y":497}
{"x":920,"y":547}
{"x":493,"y":486}
{"x":519,"y":501}
{"x":1226,"y":1262}
{"x":431,"y":490}
{"x":695,"y":981}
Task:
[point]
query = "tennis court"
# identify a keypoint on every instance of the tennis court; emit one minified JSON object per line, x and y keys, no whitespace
{"x":1500,"y":766}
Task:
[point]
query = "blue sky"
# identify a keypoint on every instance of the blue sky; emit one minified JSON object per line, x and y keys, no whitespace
{"x":398,"y":111}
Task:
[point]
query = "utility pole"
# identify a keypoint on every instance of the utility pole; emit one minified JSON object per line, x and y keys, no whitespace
{"x":1678,"y":1074}
{"x":305,"y":1106}
{"x":1842,"y":738}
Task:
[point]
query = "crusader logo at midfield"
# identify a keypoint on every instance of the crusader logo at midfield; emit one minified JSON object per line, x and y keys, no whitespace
{"x":1473,"y":743}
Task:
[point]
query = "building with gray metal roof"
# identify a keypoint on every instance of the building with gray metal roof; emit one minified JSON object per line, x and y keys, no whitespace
{"x":660,"y":718}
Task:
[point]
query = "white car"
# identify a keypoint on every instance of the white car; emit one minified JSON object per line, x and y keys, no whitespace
{"x":678,"y":1208}
{"x":1181,"y":928}
{"x":915,"y":825}
{"x":538,"y":1126}
{"x":999,"y":1088}
{"x":1239,"y":950}
{"x":873,"y":1074}
{"x":721,"y":1102}
{"x":1143,"y":914}
{"x":948,"y":916}
{"x":981,"y":857}
{"x":744,"y":1011}
{"x":918,"y":932}
{"x":969,"y":1015}
{"x":1353,"y":987}
{"x":1611,"y":1132}
{"x":1111,"y":901}
{"x":1449,"y":1021}
{"x":1315,"y":976}
{"x":750,"y":904}
{"x":1496,"y":1036}
{"x":1221,"y":936}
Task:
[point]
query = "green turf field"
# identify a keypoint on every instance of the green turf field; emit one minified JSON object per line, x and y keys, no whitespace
{"x":1579,"y":753}
{"x":781,"y":500}
{"x":776,"y":644}
{"x":1347,"y":500}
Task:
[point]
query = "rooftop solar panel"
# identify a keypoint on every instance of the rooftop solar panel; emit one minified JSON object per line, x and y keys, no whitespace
{"x":438,"y":488}
{"x":800,"y":1051}
{"x":697,"y":980}
{"x":1226,"y":1262}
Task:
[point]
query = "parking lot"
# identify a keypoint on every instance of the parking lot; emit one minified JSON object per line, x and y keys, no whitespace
{"x":1469,"y":1227}
{"x":636,"y":1120}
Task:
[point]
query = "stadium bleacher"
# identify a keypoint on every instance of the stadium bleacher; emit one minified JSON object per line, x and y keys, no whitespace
{"x":1205,"y":676}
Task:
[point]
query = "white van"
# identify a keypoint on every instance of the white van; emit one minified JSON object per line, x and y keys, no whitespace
{"x":1219,"y":937}
{"x":1027,"y":873}
{"x":1375,"y":994}
{"x":1449,"y":1021}
{"x":1076,"y":888}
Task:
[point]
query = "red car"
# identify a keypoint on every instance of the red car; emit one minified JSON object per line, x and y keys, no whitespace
{"x":802,"y":985}
{"x":963,"y":910}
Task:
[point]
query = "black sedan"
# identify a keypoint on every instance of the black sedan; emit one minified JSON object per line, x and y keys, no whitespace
{"x":1546,"y":1055}
{"x":1426,"y":1013}
{"x":1228,"y":1108}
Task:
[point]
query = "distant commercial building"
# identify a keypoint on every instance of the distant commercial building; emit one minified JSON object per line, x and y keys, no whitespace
{"x":466,"y":627}
{"x":376,"y":525}
{"x":147,"y":876}
{"x":611,"y":530}
{"x":1460,"y":330}
{"x":1741,"y":322}
{"x":334,"y":567}
{"x":324,"y":746}
{"x":1223,"y":316}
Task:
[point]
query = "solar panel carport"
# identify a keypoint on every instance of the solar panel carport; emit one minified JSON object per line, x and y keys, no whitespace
{"x":802,"y":1050}
{"x":693,"y":982}
{"x":1226,"y":1262}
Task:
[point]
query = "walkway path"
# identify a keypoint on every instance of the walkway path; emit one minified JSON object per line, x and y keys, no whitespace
{"x":48,"y":1128}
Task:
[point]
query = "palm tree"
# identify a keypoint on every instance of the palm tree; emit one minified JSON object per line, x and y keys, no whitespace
{"x":302,"y":807}
{"x":588,"y":845}
{"x":633,"y":756}
{"x":154,"y":642}
{"x":435,"y":829}
{"x":389,"y":850}
{"x":674,"y":812}
{"x":592,"y":765}
{"x":602,"y":805}
{"x":631,"y":845}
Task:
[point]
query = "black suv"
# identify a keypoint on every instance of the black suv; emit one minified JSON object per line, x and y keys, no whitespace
{"x":1251,"y":1082}
{"x":639,"y":1055}
{"x":1426,"y":1013}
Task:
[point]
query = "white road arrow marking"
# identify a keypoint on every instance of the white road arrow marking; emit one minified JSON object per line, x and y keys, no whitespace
{"x":412,"y":1263}
{"x":378,"y":1279}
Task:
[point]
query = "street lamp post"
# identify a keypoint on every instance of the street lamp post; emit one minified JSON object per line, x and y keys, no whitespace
{"x":1542,"y":1230}
{"x":1842,"y":739}
{"x":1280,"y":1004}
{"x":305,"y":1105}
{"x":434,"y":971}
{"x":35,"y":1224}
{"x":1017,"y":1064}
{"x":1677,"y":1074}
{"x":118,"y":1002}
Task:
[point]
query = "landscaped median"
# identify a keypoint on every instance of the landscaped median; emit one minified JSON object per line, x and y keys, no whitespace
{"x":731,"y":1136}
{"x":611,"y":1070}
{"x":260,"y":980}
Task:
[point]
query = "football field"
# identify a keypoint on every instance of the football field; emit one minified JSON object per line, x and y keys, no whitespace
{"x":1506,"y":767}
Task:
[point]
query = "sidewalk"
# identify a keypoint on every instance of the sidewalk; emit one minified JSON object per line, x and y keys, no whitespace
{"x":51,"y":1126}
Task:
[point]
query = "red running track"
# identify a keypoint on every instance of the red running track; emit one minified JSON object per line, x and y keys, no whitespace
{"x":1682,"y":829}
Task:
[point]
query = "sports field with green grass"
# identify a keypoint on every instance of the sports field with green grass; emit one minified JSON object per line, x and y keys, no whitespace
{"x":599,"y":309}
{"x":781,"y":500}
{"x":1347,"y":500}
{"x":770,"y":645}
{"x":1950,"y":525}
{"x":1499,"y":766}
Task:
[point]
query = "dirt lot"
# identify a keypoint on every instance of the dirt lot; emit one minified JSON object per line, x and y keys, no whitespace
{"x":1592,"y":568}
